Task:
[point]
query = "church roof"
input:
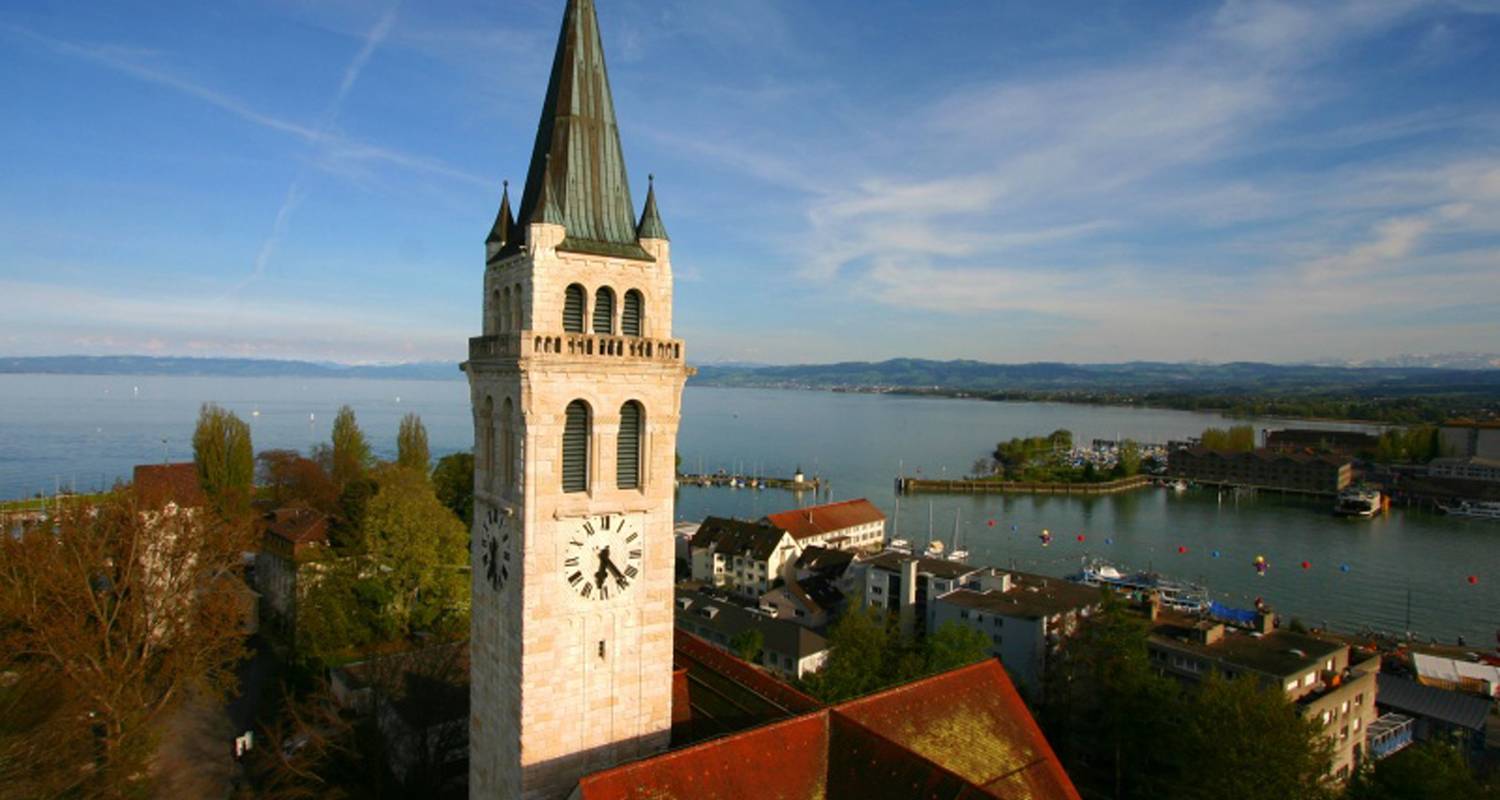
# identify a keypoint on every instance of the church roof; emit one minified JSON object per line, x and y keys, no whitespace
{"x":585,"y":184}
{"x":504,"y":231}
{"x":958,"y":735}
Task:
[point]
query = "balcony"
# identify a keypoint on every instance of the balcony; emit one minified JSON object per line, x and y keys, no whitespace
{"x":585,"y":346}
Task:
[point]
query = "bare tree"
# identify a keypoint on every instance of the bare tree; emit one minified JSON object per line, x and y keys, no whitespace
{"x":117,"y":612}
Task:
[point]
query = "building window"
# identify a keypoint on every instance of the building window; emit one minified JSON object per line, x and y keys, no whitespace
{"x":963,"y":614}
{"x":633,"y":314}
{"x":575,"y":448}
{"x":628,"y":446}
{"x":573,"y":303}
{"x":604,"y":311}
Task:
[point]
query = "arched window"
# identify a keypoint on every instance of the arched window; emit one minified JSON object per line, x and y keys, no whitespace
{"x":508,"y":446}
{"x":502,"y":312}
{"x":573,"y":309}
{"x":604,"y":311}
{"x":575,"y":448}
{"x":628,"y":449}
{"x":515,"y":309}
{"x":487,"y":444}
{"x":633,"y":315}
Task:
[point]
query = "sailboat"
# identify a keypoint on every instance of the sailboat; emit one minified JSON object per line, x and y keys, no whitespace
{"x":897,"y":543}
{"x":958,"y":554}
{"x":935,"y":546}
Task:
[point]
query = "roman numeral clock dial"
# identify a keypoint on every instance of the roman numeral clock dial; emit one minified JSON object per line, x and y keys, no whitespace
{"x":601,"y":556}
{"x":495,"y":550}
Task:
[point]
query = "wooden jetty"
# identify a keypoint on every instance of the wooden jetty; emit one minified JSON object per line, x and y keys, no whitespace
{"x":906,"y":485}
{"x":723,"y":479}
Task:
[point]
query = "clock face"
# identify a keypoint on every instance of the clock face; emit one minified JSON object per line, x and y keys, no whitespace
{"x":495,"y":548}
{"x":601,"y":556}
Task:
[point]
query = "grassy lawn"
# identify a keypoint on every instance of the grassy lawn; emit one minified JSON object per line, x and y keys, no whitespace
{"x":43,"y":503}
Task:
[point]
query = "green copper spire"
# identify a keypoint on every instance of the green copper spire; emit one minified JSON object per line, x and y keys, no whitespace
{"x":588,"y":191}
{"x":651,"y":227}
{"x":504,"y":231}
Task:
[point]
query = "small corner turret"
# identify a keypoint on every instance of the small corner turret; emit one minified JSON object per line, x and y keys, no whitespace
{"x":503,"y":235}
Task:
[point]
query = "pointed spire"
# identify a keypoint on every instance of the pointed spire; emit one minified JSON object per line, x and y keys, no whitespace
{"x":588,"y":191}
{"x":504,"y":233}
{"x":651,"y":226}
{"x":546,"y":209}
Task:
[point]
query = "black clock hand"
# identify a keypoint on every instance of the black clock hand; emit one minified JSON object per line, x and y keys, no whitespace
{"x":610,"y":565}
{"x":603,"y":571}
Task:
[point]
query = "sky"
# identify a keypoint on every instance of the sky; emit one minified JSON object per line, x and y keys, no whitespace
{"x":843,"y":179}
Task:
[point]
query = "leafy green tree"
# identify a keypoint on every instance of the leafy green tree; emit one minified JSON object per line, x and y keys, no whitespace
{"x":351,"y":457}
{"x":1110,"y":716}
{"x":420,"y":553}
{"x":953,"y":646}
{"x":1129,"y":463}
{"x":1238,"y":439}
{"x":748,"y":643}
{"x":858,"y":645}
{"x":453,"y":478}
{"x":347,"y":530}
{"x":1270,"y":751}
{"x":411,"y":445}
{"x":225,"y":459}
{"x":1432,"y":769}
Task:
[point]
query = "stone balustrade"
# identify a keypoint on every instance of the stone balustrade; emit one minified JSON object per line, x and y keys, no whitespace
{"x":575,"y":346}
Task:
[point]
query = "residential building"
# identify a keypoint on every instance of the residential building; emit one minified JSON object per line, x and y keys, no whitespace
{"x":787,"y":648}
{"x":1262,"y":469}
{"x":1348,"y":444}
{"x":1468,"y":468}
{"x":1464,"y":438}
{"x":291,"y":540}
{"x":846,"y":525}
{"x":842,"y":568}
{"x":813,"y":601}
{"x":746,"y":558}
{"x":1437,"y":713}
{"x":1328,"y":682}
{"x":902,"y":586}
{"x":1025,"y":617}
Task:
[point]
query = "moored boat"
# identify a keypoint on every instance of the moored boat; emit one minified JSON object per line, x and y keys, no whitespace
{"x":1358,"y":502}
{"x":1474,"y":509}
{"x":1174,"y":594}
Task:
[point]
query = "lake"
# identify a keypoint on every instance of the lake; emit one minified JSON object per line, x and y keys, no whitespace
{"x":89,"y":431}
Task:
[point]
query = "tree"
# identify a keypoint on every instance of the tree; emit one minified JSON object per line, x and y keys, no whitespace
{"x":454,"y":480}
{"x":953,"y":646}
{"x":113,"y":615}
{"x":411,"y":445}
{"x":225,"y":460}
{"x":858,"y":646}
{"x":420,"y":553}
{"x":747,"y":644}
{"x":1238,"y":439}
{"x":1130,"y":458}
{"x":1432,"y":769}
{"x":1270,"y":752}
{"x":350,"y":456}
{"x":290,"y":480}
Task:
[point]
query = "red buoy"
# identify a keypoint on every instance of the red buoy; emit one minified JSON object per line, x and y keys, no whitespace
{"x":1306,"y":565}
{"x":1473,"y":579}
{"x":1080,"y":537}
{"x":1182,"y":550}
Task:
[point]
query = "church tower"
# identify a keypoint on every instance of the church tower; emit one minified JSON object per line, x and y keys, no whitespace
{"x":577,"y":388}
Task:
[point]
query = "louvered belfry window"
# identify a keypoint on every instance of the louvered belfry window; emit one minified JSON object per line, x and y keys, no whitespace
{"x":604,"y":312}
{"x":575,"y":448}
{"x":630,"y":316}
{"x":573,"y":310}
{"x":628,"y":450}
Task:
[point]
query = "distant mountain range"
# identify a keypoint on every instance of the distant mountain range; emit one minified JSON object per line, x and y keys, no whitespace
{"x":1433,"y":360}
{"x":225,"y":367}
{"x":1133,"y":377}
{"x":1407,"y":375}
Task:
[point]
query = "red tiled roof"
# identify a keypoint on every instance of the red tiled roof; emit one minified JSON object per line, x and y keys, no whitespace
{"x":159,"y":484}
{"x":298,"y":525}
{"x":787,"y":759}
{"x":802,"y":523}
{"x":972,"y":723}
{"x":689,"y":649}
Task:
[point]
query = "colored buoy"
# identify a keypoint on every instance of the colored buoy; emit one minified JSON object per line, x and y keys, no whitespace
{"x":1343,"y":568}
{"x":1216,"y":554}
{"x":1306,"y":565}
{"x":1473,"y":579}
{"x":992,"y":523}
{"x":1109,"y":540}
{"x":1080,"y":537}
{"x":1182,"y":550}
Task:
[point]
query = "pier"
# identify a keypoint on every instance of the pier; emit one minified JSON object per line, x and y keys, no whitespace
{"x":905,"y":485}
{"x":797,"y":483}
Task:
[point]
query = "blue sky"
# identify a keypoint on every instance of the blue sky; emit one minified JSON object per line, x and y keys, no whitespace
{"x":1007,"y":181}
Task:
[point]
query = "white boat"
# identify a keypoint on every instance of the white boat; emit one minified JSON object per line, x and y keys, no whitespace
{"x":1174,"y":594}
{"x":1179,"y":486}
{"x":935,"y":549}
{"x":1476,"y":509}
{"x":899,"y":545}
{"x":1358,"y":502}
{"x":958,"y":554}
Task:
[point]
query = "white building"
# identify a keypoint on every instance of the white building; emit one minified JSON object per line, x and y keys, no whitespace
{"x":903,"y":585}
{"x":847,"y":525}
{"x":1472,"y":468}
{"x":1025,"y":618}
{"x":746,"y":558}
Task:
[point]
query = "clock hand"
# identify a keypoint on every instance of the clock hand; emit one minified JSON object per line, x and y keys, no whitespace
{"x":603,"y":571}
{"x":610,"y":565}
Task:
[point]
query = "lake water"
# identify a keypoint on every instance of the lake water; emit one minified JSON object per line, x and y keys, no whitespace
{"x":88,"y":431}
